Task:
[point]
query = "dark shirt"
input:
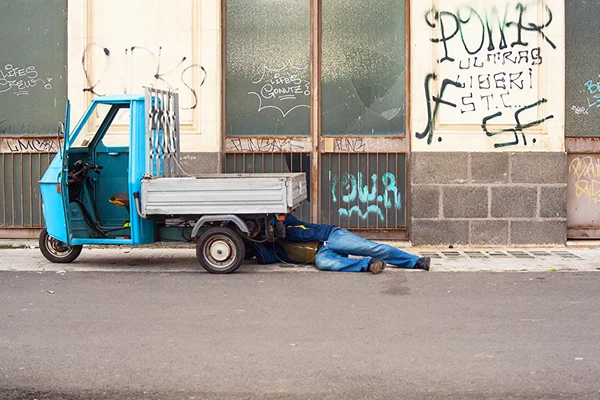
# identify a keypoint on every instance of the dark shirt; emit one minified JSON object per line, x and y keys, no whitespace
{"x":299,"y":231}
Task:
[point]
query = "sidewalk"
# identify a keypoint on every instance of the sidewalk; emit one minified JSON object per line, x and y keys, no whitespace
{"x":17,"y":255}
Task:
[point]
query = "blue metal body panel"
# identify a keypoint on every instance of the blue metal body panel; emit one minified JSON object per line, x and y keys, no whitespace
{"x":52,"y":200}
{"x":123,"y":173}
{"x":142,"y":230}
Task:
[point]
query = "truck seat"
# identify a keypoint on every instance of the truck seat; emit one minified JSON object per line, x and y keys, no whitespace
{"x":120,"y":199}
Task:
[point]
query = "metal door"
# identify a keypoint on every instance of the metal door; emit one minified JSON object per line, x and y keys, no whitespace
{"x":305,"y":94}
{"x":583,"y":119}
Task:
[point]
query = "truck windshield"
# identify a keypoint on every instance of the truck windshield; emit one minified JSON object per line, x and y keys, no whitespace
{"x":92,"y":125}
{"x":108,"y":120}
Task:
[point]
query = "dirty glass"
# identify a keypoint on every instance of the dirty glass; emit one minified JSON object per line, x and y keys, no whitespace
{"x":267,"y":74}
{"x":363,"y":67}
{"x":88,"y":131}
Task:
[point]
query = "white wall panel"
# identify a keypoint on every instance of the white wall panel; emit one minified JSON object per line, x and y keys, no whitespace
{"x":118,"y":47}
{"x":487,"y":75}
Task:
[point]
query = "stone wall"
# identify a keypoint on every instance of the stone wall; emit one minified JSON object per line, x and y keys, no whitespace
{"x":488,"y":199}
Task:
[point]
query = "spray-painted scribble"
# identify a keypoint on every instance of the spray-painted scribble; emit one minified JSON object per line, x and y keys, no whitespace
{"x":29,"y":145}
{"x":491,"y":57}
{"x":19,"y":80}
{"x":372,"y":198}
{"x":266,"y":145}
{"x":124,"y":65}
{"x":489,"y":26}
{"x":431,"y":114}
{"x":586,"y":171}
{"x":283,"y":88}
{"x":579,"y":110}
{"x":592,"y":89}
{"x":519,"y":127}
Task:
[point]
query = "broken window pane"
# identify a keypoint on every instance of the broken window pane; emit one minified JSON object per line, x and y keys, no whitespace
{"x":363,"y":67}
{"x":268,"y":67}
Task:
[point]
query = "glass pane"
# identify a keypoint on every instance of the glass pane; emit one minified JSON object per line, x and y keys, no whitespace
{"x":363,"y":67}
{"x":88,"y":131}
{"x":119,"y":130}
{"x":582,"y":51}
{"x":116,"y":126}
{"x":268,"y":67}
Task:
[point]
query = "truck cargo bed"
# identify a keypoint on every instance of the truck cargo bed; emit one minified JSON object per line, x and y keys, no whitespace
{"x":223,"y":194}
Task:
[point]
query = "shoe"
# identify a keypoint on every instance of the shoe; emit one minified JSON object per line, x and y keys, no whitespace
{"x":376,"y":265}
{"x":423,"y":263}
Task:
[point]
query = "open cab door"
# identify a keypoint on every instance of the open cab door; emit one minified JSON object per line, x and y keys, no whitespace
{"x":55,"y":239}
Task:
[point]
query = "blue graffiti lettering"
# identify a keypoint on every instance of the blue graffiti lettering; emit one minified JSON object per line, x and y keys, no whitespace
{"x":358,"y":197}
{"x":374,"y":209}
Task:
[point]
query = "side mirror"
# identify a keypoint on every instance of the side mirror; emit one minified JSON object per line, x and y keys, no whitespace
{"x":60,"y":130}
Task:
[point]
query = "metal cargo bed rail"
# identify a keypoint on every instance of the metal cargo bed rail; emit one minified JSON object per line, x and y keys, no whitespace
{"x":162,"y":133}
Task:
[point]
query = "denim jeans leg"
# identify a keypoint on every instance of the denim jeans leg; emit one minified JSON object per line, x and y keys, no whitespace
{"x":344,"y":242}
{"x":329,"y":260}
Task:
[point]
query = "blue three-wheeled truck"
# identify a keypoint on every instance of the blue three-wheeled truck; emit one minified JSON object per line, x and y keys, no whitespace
{"x":118,"y":180}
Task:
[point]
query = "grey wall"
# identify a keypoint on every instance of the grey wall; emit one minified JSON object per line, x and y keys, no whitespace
{"x":201,"y":163}
{"x":488,"y":199}
{"x":33,"y":68}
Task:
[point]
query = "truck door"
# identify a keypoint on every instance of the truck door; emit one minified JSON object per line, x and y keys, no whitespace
{"x":64,"y":175}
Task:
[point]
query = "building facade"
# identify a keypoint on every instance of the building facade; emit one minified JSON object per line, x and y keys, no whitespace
{"x":458,"y":122}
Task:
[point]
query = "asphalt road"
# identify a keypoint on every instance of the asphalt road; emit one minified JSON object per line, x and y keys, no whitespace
{"x":299,"y":335}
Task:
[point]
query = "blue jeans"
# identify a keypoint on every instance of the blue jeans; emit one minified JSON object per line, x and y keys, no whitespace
{"x":333,"y":255}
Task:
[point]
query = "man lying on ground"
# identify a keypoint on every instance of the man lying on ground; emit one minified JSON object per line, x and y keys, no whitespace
{"x":329,"y":248}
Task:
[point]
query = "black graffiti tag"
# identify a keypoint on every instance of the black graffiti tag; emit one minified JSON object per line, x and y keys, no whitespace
{"x":491,"y":27}
{"x":161,"y":74}
{"x":519,"y":127}
{"x":431,"y":114}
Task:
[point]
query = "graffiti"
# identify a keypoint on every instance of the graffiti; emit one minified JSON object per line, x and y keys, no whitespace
{"x":519,"y":127}
{"x":586,"y":171}
{"x":269,"y":145}
{"x":29,"y":145}
{"x":356,"y":199}
{"x":490,"y":58}
{"x":431,"y":115}
{"x":282,"y":88}
{"x":18,"y":80}
{"x":579,"y":110}
{"x":125,"y":65}
{"x":349,"y":145}
{"x":593,"y":90}
{"x":469,"y":23}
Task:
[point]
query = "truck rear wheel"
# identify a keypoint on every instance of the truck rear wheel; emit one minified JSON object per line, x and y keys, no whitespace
{"x":220,"y":250}
{"x":56,"y":251}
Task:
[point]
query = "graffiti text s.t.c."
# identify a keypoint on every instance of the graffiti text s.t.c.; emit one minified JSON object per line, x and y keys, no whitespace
{"x":488,"y":68}
{"x":362,"y":196}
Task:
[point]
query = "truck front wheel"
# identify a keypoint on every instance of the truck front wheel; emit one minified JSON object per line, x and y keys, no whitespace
{"x":220,"y":250}
{"x":56,"y":251}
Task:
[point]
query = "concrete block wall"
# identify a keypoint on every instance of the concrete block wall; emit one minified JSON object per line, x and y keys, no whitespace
{"x":488,"y":199}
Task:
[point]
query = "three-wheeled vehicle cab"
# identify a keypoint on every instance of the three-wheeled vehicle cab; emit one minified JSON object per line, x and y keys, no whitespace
{"x":117,"y":179}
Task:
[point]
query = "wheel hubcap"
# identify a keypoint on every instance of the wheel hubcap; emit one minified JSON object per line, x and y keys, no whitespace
{"x":220,"y":251}
{"x":57,"y":248}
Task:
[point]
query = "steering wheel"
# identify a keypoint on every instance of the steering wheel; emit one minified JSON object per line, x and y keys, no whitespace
{"x":80,"y":170}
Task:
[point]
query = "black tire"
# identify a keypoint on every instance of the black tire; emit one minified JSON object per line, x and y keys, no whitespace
{"x":56,"y":251}
{"x":220,"y":250}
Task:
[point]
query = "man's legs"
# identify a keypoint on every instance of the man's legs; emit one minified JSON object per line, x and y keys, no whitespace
{"x":329,"y":260}
{"x":344,"y":242}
